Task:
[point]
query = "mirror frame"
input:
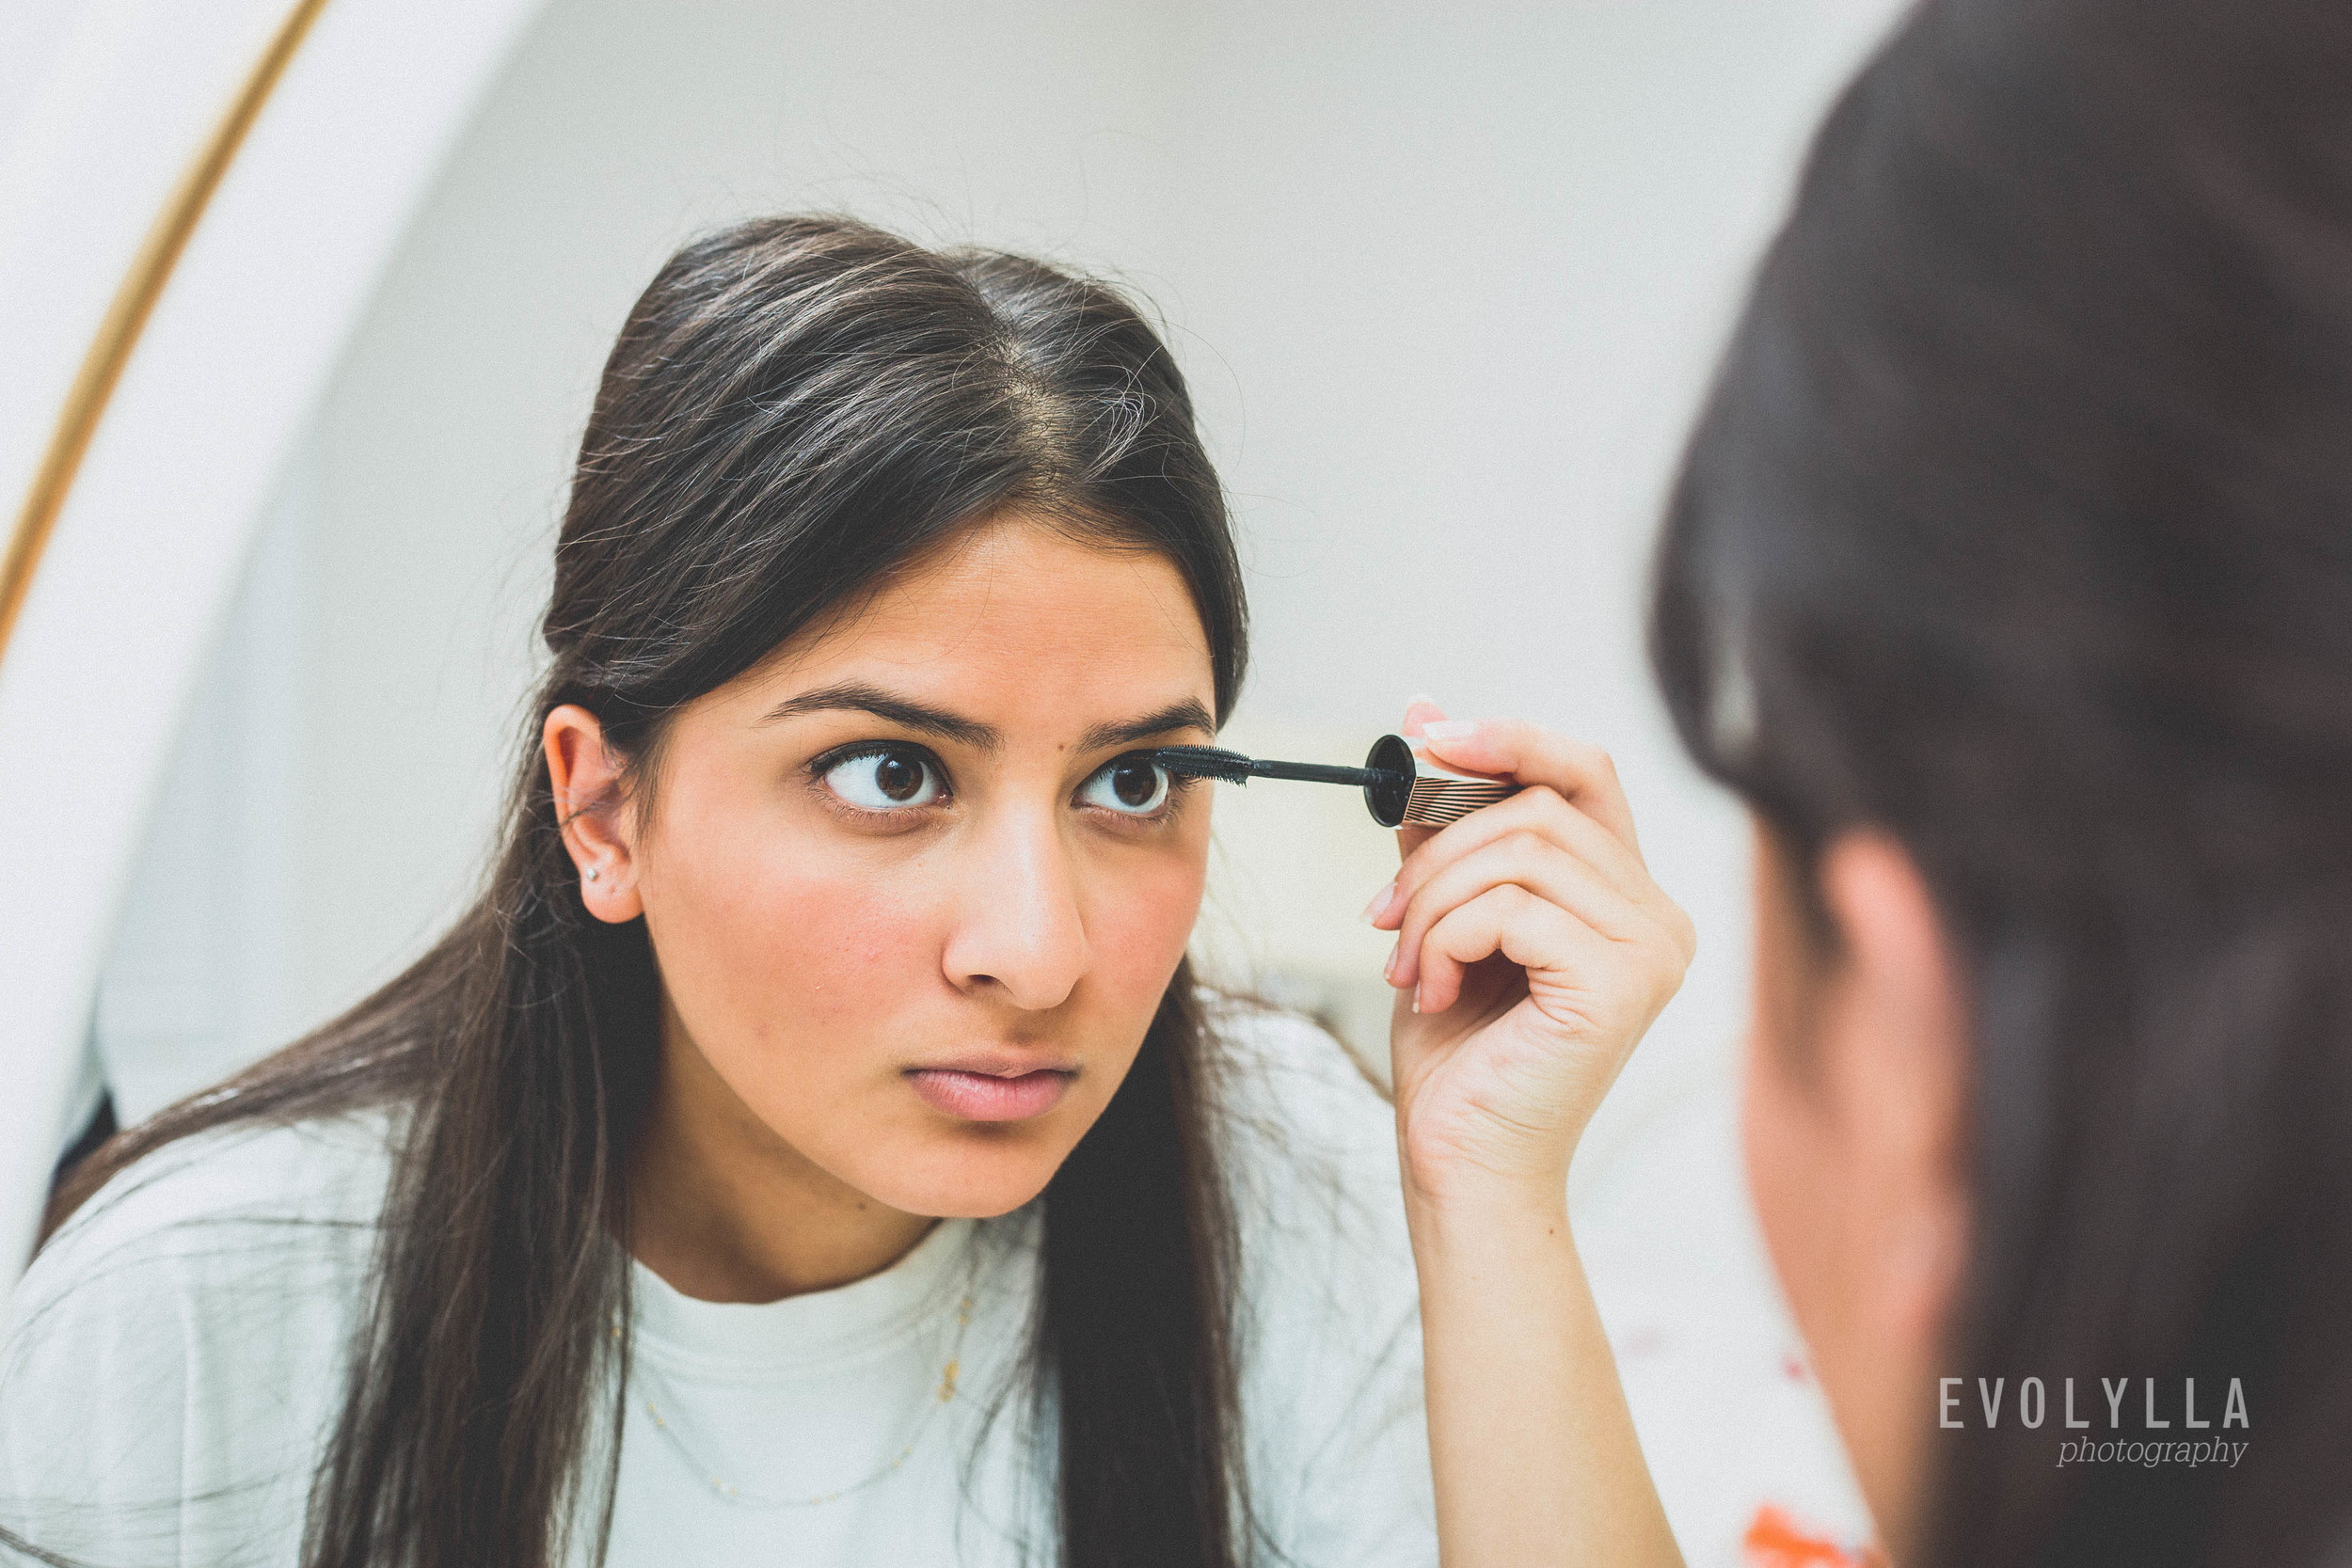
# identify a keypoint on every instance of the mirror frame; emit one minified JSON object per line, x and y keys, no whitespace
{"x":160,"y":461}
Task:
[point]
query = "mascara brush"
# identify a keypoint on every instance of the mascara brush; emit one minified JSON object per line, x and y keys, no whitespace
{"x":1400,"y":785}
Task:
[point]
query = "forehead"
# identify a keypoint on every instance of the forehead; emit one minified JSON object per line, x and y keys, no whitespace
{"x":1017,"y":616}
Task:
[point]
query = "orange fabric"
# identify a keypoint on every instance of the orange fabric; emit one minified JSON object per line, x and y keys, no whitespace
{"x":1776,"y":1541}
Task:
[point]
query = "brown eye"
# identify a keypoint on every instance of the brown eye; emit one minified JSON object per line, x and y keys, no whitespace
{"x":1135,"y":784}
{"x":898,"y":778}
{"x":890,"y":780}
{"x":1130,"y":787}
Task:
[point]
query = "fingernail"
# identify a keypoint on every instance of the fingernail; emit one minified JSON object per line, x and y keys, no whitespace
{"x":1425,"y":697}
{"x":1450,"y":729}
{"x":1379,"y":905}
{"x":1416,"y":999}
{"x":1387,"y":971}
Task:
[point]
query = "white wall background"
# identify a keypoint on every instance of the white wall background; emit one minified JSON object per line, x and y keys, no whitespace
{"x":1447,"y":284}
{"x":1447,"y":281}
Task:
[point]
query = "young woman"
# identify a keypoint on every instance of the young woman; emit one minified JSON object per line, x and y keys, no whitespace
{"x":812,"y":1147}
{"x":2009,"y":581}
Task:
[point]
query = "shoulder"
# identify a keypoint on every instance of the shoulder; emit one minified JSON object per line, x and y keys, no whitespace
{"x":225,"y":1229}
{"x":226,"y":1242}
{"x":242,"y":1205}
{"x":179,"y":1343}
{"x":231,"y":1185}
{"x":1309,"y":1149}
{"x":1295,"y":1105}
{"x":1329,"y":1324}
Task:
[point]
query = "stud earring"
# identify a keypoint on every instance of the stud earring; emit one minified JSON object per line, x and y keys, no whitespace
{"x":594,"y":872}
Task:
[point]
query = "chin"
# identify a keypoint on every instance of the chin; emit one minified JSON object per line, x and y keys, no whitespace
{"x":961,"y":1177}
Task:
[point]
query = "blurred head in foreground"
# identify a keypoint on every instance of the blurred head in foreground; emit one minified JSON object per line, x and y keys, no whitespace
{"x":2010,"y":580}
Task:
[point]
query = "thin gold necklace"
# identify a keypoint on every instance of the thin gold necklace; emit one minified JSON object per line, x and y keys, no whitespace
{"x":943,"y":1395}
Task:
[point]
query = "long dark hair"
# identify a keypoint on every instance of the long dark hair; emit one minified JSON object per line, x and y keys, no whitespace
{"x":795,"y":408}
{"x":2020,"y":527}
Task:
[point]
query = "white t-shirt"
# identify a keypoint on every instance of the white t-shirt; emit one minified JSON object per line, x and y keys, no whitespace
{"x":178,"y":1352}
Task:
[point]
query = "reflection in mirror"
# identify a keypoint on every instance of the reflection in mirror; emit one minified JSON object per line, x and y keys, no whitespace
{"x":201,"y":979}
{"x":1445,"y":296}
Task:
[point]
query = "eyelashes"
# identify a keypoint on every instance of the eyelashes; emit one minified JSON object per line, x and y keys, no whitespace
{"x":893,"y":779}
{"x":883,"y":779}
{"x":1131,"y":786}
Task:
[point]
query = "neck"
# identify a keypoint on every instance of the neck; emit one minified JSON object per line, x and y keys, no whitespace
{"x":724,"y":1209}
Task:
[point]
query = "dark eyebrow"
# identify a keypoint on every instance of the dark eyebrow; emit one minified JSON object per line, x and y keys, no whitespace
{"x":858,"y":698}
{"x":1187,"y":715}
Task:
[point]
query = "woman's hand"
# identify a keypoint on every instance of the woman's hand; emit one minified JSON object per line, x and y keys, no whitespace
{"x":1533,"y":949}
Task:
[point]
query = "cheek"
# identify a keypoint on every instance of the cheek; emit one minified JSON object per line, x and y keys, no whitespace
{"x":1140,"y":920}
{"x":1791,"y":1161}
{"x":1782,"y":1167}
{"x":843,"y":949}
{"x":762,"y":951}
{"x":1805,"y":1191}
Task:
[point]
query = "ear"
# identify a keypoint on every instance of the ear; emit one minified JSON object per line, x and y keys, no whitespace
{"x":1893,"y":1051}
{"x":592,"y":808}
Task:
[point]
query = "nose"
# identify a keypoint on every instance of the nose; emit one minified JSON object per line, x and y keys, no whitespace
{"x":1019,"y":931}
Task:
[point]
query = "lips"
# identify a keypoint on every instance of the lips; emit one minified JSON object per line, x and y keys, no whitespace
{"x":974,"y":1093}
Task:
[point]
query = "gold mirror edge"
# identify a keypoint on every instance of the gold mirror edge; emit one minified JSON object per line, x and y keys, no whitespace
{"x":127,"y":316}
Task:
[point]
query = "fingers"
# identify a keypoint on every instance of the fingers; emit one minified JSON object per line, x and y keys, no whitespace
{"x":1537,"y":866}
{"x":1539,"y":936}
{"x":1526,"y":859}
{"x":1541,"y":811}
{"x":1564,"y":846}
{"x":1421,"y":711}
{"x":1429,"y":882}
{"x":1582,"y":774}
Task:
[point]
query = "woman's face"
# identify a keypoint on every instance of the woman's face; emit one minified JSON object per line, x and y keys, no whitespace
{"x":904,"y":903}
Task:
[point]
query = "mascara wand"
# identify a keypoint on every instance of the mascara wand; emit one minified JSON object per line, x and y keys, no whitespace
{"x":1400,"y":785}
